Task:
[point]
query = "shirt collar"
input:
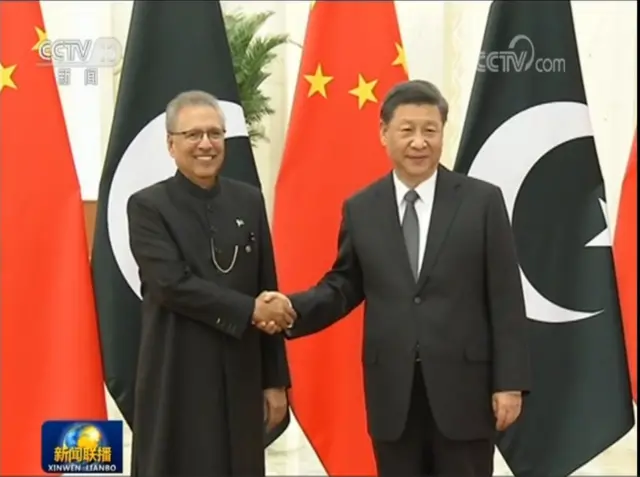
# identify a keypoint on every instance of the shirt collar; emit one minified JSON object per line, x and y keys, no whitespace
{"x":425,"y":189}
{"x":195,"y":190}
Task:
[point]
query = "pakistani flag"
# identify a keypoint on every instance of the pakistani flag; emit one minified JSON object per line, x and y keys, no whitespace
{"x":172,"y":47}
{"x":528,"y":131}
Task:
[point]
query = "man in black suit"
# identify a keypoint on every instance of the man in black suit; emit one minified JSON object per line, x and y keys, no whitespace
{"x":432,"y":254}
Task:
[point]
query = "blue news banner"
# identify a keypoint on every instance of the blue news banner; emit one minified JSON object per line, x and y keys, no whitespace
{"x":82,"y":447}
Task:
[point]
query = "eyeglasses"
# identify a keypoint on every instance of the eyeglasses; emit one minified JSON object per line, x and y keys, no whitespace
{"x":196,"y":135}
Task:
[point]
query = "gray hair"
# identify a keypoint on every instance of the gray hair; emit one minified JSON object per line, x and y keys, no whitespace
{"x":190,"y":98}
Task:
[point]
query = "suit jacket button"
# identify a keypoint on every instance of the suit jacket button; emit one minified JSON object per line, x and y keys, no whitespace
{"x":417,"y":300}
{"x":218,"y":321}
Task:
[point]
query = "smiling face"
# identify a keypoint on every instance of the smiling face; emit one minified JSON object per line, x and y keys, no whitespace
{"x":196,"y":142}
{"x":413,"y":138}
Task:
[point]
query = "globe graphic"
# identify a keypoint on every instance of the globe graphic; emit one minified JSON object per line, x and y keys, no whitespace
{"x":84,"y":437}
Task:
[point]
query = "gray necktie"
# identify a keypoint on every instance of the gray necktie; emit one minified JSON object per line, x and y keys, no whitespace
{"x":411,"y":230}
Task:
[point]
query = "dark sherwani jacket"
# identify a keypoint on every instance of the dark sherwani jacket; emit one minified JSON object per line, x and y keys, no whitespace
{"x":202,"y":365}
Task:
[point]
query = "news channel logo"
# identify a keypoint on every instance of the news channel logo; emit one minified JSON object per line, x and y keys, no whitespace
{"x":82,"y":447}
{"x":519,"y":59}
{"x":103,"y":52}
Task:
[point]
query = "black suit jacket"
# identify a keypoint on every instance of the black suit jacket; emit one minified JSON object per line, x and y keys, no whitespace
{"x":466,"y":312}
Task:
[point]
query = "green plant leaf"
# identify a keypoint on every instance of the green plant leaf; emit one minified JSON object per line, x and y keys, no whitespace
{"x":252,"y":54}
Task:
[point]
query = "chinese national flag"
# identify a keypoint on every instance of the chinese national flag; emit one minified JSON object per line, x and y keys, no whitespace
{"x":50,"y":358}
{"x":625,"y":249}
{"x":352,"y":56}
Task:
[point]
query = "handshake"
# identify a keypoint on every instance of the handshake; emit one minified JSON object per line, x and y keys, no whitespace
{"x":273,"y":312}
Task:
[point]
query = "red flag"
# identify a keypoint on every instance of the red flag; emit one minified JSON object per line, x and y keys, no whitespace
{"x":625,"y":250}
{"x":50,"y":364}
{"x":352,"y":56}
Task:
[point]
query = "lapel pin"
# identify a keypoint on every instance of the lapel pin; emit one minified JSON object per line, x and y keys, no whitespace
{"x":239,"y":222}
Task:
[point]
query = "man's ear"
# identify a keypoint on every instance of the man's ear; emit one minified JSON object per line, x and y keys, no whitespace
{"x":383,"y":133}
{"x":170,"y":140}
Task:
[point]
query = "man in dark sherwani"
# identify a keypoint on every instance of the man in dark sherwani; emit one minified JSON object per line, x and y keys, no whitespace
{"x":208,"y":377}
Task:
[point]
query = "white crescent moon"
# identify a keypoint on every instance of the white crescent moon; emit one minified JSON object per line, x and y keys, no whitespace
{"x":506,"y":158}
{"x":145,"y":162}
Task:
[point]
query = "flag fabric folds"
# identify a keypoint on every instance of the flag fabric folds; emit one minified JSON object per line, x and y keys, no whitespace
{"x":171,"y":47}
{"x":625,"y":249}
{"x":528,"y":131}
{"x":352,"y":56}
{"x":50,"y":367}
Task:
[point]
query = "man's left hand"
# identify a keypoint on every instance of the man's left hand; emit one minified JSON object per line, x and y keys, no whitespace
{"x":275,"y":402}
{"x":507,"y":406}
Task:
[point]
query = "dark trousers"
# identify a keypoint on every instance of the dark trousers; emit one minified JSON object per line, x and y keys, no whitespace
{"x":422,"y":450}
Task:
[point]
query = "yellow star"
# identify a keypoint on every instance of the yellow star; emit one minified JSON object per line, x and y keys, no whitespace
{"x":42,"y":37}
{"x":318,"y":82}
{"x":364,"y":91}
{"x":401,"y":59}
{"x":313,"y":3}
{"x":5,"y":77}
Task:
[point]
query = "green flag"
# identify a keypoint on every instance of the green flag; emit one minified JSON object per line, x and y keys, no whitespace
{"x":528,"y":131}
{"x":172,"y":47}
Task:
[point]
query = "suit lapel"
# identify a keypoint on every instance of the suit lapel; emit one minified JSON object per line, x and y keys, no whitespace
{"x":391,"y":227}
{"x":445,"y":205}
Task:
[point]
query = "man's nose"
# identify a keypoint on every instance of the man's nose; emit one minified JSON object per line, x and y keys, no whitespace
{"x":419,"y":142}
{"x":205,"y":142}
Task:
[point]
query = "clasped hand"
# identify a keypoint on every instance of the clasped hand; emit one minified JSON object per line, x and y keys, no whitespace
{"x":273,"y":312}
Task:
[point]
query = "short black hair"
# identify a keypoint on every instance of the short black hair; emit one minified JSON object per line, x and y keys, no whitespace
{"x":413,"y":92}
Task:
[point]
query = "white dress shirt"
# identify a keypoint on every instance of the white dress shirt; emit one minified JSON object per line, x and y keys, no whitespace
{"x":424,"y":205}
